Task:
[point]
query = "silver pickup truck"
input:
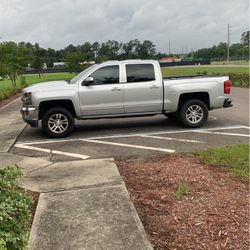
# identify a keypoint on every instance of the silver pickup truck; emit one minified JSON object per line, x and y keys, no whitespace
{"x":122,"y":89}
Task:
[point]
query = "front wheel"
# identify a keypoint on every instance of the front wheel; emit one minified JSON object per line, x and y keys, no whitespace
{"x":193,"y":113}
{"x":58,"y":122}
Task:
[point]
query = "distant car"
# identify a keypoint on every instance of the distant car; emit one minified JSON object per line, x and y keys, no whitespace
{"x":122,"y":89}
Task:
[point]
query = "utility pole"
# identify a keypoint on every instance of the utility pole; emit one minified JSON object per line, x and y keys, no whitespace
{"x":228,"y":41}
{"x":169,"y":47}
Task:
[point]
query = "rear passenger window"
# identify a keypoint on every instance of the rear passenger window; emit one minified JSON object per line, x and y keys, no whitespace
{"x":140,"y":72}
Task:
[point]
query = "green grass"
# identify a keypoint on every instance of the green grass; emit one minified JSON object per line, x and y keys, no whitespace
{"x":186,"y":71}
{"x":235,"y":158}
{"x":182,"y":190}
{"x":30,"y":79}
{"x":241,"y":62}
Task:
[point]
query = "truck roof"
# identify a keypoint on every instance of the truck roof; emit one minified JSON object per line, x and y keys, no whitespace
{"x":129,"y":61}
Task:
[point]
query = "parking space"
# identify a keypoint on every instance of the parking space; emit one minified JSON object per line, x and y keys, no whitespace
{"x":135,"y":144}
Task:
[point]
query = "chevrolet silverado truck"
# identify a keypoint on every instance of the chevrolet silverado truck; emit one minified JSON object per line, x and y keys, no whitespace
{"x":123,"y":89}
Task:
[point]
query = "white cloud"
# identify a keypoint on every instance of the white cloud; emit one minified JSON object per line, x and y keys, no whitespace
{"x":193,"y":24}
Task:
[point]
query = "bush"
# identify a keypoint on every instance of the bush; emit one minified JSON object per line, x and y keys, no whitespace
{"x":240,"y":79}
{"x":23,"y":82}
{"x":6,"y":94}
{"x":15,"y":207}
{"x":236,"y":79}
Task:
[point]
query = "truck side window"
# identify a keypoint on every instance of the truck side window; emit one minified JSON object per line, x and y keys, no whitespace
{"x":140,"y":72}
{"x":106,"y":75}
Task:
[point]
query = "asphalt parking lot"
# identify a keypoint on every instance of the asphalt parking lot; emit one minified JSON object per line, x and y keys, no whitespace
{"x":140,"y":137}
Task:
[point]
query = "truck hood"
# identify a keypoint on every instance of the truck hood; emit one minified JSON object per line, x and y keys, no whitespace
{"x":48,"y":86}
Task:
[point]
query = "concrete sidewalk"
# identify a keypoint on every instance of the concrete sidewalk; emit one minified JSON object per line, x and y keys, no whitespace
{"x":11,"y":124}
{"x":82,"y":205}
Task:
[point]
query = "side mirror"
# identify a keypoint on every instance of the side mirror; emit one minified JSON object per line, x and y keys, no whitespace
{"x":88,"y":81}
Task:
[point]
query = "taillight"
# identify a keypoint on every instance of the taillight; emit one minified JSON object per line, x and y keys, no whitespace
{"x":227,"y":87}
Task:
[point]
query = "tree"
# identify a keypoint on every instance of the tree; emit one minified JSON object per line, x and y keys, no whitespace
{"x":245,"y":38}
{"x":12,"y":61}
{"x":50,"y":57}
{"x":146,"y":50}
{"x":73,"y":60}
{"x":38,"y":58}
{"x":95,"y":48}
{"x":131,"y":49}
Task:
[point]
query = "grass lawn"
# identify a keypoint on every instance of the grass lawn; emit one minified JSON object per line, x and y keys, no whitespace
{"x":6,"y":84}
{"x":241,"y":62}
{"x":235,"y":158}
{"x":185,"y":71}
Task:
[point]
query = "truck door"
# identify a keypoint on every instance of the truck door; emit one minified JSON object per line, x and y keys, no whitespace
{"x":105,"y":95}
{"x":143,"y":89}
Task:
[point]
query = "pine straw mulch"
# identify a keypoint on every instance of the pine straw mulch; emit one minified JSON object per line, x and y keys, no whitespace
{"x":214,"y":215}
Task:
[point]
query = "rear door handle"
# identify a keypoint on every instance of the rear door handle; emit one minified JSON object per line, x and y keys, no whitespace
{"x":116,"y":89}
{"x":154,"y":87}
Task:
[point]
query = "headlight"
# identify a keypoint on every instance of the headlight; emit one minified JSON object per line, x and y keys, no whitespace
{"x":27,"y":98}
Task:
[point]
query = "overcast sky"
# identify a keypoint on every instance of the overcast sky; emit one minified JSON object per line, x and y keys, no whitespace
{"x":187,"y":23}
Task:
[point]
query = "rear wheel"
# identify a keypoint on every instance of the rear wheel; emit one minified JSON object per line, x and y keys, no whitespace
{"x":193,"y":113}
{"x":58,"y":122}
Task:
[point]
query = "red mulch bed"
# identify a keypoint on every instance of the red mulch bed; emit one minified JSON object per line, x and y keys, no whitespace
{"x":8,"y":100}
{"x":214,"y":215}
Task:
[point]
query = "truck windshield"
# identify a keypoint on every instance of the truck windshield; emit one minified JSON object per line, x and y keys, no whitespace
{"x":79,"y":76}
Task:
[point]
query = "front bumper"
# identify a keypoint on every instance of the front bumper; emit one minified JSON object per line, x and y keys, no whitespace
{"x":227,"y":103}
{"x":30,"y":115}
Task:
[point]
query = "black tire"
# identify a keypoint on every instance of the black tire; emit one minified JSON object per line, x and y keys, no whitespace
{"x":193,"y":120}
{"x":171,"y":116}
{"x":65,"y":121}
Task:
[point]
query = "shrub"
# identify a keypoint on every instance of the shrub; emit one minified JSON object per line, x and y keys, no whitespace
{"x":23,"y":82}
{"x":15,"y":206}
{"x":8,"y":93}
{"x":240,"y":79}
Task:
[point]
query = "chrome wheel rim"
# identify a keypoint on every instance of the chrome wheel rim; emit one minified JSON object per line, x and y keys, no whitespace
{"x":58,"y":123}
{"x":194,"y":114}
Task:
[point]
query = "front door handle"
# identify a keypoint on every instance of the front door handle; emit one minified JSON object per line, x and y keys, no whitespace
{"x":154,"y":87}
{"x":116,"y":89}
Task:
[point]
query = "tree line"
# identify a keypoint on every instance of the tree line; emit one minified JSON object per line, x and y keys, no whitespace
{"x":240,"y":50}
{"x":14,"y":57}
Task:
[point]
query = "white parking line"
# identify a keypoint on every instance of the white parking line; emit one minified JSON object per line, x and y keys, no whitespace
{"x":194,"y":130}
{"x":170,"y":138}
{"x":33,"y":148}
{"x":130,"y":145}
{"x":212,"y":118}
{"x":222,"y":133}
{"x":246,"y":127}
{"x":129,"y":135}
{"x":84,"y":157}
